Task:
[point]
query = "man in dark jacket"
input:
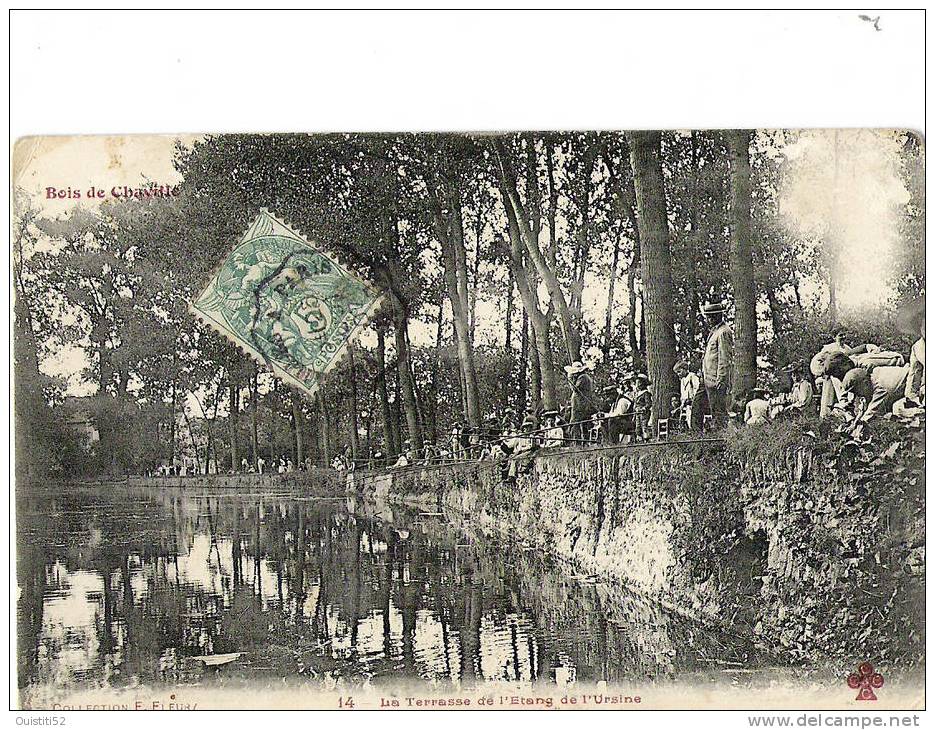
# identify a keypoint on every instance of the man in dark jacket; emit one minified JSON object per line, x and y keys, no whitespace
{"x":583,"y":401}
{"x":717,"y":362}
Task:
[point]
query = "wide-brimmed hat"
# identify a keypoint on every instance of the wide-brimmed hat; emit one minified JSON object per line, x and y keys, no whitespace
{"x":575,"y":368}
{"x":680,"y":364}
{"x":713,"y":308}
{"x":550,"y":414}
{"x":641,"y":377}
{"x":910,"y":316}
{"x":530,"y":420}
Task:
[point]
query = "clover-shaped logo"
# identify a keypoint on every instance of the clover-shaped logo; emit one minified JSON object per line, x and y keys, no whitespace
{"x":865,"y":679}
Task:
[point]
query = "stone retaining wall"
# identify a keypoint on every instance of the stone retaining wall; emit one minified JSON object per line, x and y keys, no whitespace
{"x":778,"y":543}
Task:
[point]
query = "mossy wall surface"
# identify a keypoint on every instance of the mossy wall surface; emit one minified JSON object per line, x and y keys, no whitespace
{"x":811,"y":545}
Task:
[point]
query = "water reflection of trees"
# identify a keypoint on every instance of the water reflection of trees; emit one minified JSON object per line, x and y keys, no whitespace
{"x":305,"y":589}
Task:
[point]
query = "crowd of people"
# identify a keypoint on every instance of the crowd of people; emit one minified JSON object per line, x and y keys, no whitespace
{"x":852,"y":383}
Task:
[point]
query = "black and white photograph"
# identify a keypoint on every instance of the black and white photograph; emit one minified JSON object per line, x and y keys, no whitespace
{"x":579,"y":419}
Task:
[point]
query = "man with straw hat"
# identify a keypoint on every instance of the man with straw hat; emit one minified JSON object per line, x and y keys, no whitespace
{"x":717,"y":361}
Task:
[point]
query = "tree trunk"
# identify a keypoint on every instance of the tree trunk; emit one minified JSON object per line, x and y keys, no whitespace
{"x":694,"y":302}
{"x":657,"y":266}
{"x":254,"y":416}
{"x":191,"y":437}
{"x":390,"y":446}
{"x":535,"y":380}
{"x":609,"y":310}
{"x":174,"y":407}
{"x":478,"y":234}
{"x":741,"y":264}
{"x":543,"y":354}
{"x":529,"y":237}
{"x":211,"y":449}
{"x":105,"y":372}
{"x":369,"y":420}
{"x":397,"y":413}
{"x":508,"y":338}
{"x":234,"y":393}
{"x":271,"y":440}
{"x":553,"y":202}
{"x":298,"y":424}
{"x":355,"y":444}
{"x":537,"y":320}
{"x":406,"y":384}
{"x":323,"y":428}
{"x":436,"y":364}
{"x":583,"y":244}
{"x":294,"y":430}
{"x":450,"y":230}
{"x":624,"y":198}
{"x":522,"y":371}
{"x":635,"y":351}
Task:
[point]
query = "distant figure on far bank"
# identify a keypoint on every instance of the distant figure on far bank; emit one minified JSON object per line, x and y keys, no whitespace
{"x":716,"y":365}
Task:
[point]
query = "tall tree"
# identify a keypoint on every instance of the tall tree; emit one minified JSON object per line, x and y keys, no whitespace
{"x":355,"y":426}
{"x":657,"y":265}
{"x":446,"y":203}
{"x":527,"y":223}
{"x":624,"y":202}
{"x":741,"y":264}
{"x":538,"y":320}
{"x":391,"y":447}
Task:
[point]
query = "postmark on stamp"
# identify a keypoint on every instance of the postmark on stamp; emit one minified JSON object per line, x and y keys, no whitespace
{"x":288,"y":303}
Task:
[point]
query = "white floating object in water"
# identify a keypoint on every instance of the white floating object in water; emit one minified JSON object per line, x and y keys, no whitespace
{"x":216,"y":660}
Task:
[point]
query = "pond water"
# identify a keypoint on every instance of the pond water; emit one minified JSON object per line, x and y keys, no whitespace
{"x":123,"y":587}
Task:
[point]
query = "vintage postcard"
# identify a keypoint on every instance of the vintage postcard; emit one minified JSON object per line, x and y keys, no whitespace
{"x":501,"y":420}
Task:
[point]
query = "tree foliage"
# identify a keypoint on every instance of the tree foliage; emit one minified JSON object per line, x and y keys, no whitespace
{"x":504,"y":258}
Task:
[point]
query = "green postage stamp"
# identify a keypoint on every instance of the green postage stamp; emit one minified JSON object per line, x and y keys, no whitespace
{"x":289,"y":304}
